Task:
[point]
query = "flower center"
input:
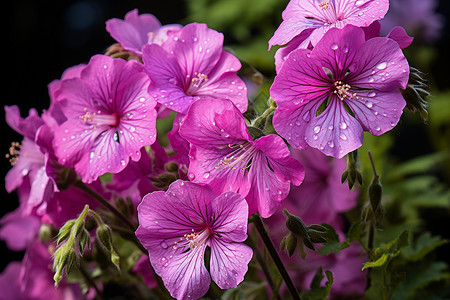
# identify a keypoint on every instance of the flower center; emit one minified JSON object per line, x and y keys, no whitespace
{"x":98,"y":118}
{"x":195,"y":82}
{"x":193,"y":239}
{"x":342,"y":90}
{"x":239,"y":157}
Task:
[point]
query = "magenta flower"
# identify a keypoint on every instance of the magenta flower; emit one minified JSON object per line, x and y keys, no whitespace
{"x":138,"y":30}
{"x":110,"y":117}
{"x":33,"y":278}
{"x":342,"y":73}
{"x":321,"y":16}
{"x":224,"y":155}
{"x":176,"y":227}
{"x":191,"y":65}
{"x":322,"y":196}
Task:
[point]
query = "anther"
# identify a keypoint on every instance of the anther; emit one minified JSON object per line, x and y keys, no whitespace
{"x":324,"y":5}
{"x":14,"y":152}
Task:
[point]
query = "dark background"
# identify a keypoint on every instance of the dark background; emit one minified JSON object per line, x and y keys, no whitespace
{"x":43,"y":38}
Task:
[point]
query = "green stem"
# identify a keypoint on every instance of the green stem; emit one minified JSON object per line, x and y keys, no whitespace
{"x":105,"y":203}
{"x":372,"y":163}
{"x":262,"y":118}
{"x":276,"y":258}
{"x":90,"y":282}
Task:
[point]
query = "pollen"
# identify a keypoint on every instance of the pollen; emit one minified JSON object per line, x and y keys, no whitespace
{"x":342,"y":90}
{"x":14,"y":152}
{"x":324,"y":5}
{"x":199,"y":79}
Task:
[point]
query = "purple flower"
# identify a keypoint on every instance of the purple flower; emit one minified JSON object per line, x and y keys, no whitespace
{"x":138,"y":30}
{"x":322,"y":196}
{"x":342,"y":73}
{"x":224,"y":155}
{"x":176,"y":227}
{"x":110,"y":117}
{"x":321,"y":16}
{"x":33,"y":278}
{"x":426,"y":24}
{"x":191,"y":65}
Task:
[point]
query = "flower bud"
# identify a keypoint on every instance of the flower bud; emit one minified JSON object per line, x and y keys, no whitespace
{"x":64,"y":232}
{"x":172,"y":167}
{"x":296,"y":226}
{"x":375,"y":192}
{"x":104,"y":236}
{"x":291,"y":244}
{"x":45,"y":233}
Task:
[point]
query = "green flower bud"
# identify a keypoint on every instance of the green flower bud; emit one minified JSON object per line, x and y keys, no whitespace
{"x":283,"y":243}
{"x":45,"y":233}
{"x":104,"y":236}
{"x":64,"y":232}
{"x":291,"y":244}
{"x":172,"y":167}
{"x":296,"y":226}
{"x":375,"y":192}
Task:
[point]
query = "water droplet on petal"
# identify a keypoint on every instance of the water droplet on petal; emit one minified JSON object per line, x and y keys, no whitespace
{"x":378,"y":128}
{"x":371,"y":94}
{"x":369,"y":104}
{"x":206,"y":175}
{"x":132,"y":129}
{"x":343,"y":125}
{"x":122,"y":162}
{"x":163,"y":261}
{"x":382,"y":66}
{"x":164,"y":245}
{"x":317,"y":129}
{"x":343,"y":137}
{"x":334,"y":47}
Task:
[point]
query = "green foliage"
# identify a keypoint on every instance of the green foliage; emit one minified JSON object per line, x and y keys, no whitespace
{"x":318,"y":292}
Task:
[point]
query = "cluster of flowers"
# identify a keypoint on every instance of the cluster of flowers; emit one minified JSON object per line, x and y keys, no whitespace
{"x":336,"y":77}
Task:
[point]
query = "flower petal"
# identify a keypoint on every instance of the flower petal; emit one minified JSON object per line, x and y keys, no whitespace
{"x":334,"y":132}
{"x":377,"y":111}
{"x":229,"y":262}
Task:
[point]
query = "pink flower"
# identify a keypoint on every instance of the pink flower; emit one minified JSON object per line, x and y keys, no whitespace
{"x":321,"y":16}
{"x":192,"y":65}
{"x":33,"y":278}
{"x":224,"y":155}
{"x":138,"y":30}
{"x":342,"y":72}
{"x":110,"y":117}
{"x":176,"y":227}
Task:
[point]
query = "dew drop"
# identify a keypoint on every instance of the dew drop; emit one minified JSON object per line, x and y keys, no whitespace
{"x":343,"y":125}
{"x":371,"y":94}
{"x":317,"y":129}
{"x":359,"y":2}
{"x":371,"y":79}
{"x":345,"y":50}
{"x":122,"y":162}
{"x":343,"y":137}
{"x":206,"y":175}
{"x":315,"y":137}
{"x":378,"y":128}
{"x":132,"y":129}
{"x":334,"y":47}
{"x":163,"y":261}
{"x":369,"y":104}
{"x":331,"y":144}
{"x":382,"y":66}
{"x":164,"y":245}
{"x":142,"y":99}
{"x":200,"y":49}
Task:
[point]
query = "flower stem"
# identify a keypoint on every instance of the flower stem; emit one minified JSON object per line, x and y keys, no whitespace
{"x":276,"y":258}
{"x":105,"y":203}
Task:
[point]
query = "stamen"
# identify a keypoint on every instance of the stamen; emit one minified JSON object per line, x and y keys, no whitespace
{"x":14,"y":153}
{"x":324,"y":5}
{"x":197,"y":81}
{"x":342,"y":90}
{"x":97,"y":118}
{"x":194,"y":239}
{"x":240,"y":156}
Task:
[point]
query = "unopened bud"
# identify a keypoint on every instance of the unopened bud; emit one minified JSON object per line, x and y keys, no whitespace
{"x":64,"y":232}
{"x":296,"y":226}
{"x":104,"y":236}
{"x":172,"y":167}
{"x":283,"y":243}
{"x":375,"y":192}
{"x":291,"y":244}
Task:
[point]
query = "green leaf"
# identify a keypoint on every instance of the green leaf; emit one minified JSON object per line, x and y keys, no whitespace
{"x":316,"y":291}
{"x":424,"y":244}
{"x":381,"y":261}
